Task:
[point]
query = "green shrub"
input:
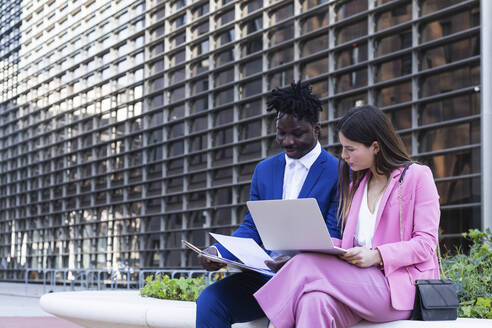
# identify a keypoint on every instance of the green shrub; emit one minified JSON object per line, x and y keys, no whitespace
{"x":473,"y":275}
{"x":182,"y":289}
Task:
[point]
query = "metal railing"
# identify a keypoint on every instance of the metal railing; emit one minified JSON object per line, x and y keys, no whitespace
{"x":99,"y":279}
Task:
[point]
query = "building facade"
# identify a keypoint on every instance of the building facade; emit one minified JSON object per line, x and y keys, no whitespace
{"x":127,"y":126}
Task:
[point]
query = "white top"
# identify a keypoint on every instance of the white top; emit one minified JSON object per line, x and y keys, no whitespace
{"x":296,"y":171}
{"x":366,"y":224}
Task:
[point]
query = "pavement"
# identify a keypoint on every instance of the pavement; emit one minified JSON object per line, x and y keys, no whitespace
{"x":19,"y":308}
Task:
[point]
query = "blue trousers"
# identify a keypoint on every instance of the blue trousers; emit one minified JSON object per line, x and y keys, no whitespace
{"x":230,"y":300}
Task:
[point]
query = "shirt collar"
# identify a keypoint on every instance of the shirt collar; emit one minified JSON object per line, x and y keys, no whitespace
{"x":307,"y":160}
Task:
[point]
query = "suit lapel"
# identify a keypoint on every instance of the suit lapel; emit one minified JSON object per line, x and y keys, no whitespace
{"x":353,"y":215}
{"x":313,"y":175}
{"x":278,"y":178}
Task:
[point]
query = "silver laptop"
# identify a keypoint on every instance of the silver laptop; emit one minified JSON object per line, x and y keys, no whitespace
{"x":292,"y":224}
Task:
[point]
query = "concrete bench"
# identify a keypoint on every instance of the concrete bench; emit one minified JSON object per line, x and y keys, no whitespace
{"x":127,"y":309}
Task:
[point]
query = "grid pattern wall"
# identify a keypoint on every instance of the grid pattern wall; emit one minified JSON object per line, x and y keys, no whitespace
{"x":139,"y":124}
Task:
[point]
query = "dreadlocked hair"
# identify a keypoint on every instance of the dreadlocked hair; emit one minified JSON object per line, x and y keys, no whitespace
{"x":296,"y":100}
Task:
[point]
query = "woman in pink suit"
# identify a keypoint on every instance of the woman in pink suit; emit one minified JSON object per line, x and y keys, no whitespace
{"x":386,"y":252}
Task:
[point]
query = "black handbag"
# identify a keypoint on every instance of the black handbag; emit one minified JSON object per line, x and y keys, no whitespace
{"x":435,"y":299}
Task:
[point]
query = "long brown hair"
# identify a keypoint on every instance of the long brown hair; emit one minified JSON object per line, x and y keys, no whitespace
{"x":366,"y":124}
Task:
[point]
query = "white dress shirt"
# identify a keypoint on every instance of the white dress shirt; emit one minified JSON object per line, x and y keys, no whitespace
{"x":364,"y":232}
{"x":296,"y":171}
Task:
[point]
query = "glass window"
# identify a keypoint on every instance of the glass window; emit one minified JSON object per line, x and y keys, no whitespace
{"x":199,"y":104}
{"x":201,"y":48}
{"x":344,"y":103}
{"x":199,"y":124}
{"x":314,"y":67}
{"x":281,"y":56}
{"x":250,"y":88}
{"x":177,"y":57}
{"x":224,"y":97}
{"x":249,"y":130}
{"x":157,"y":32}
{"x":175,"y":130}
{"x":394,"y":94}
{"x":199,"y":86}
{"x":396,"y":15}
{"x":394,"y":68}
{"x":251,"y":46}
{"x":253,"y":25}
{"x":400,"y":117}
{"x":177,"y":76}
{"x":449,"y":108}
{"x":178,"y":39}
{"x":156,"y":84}
{"x":157,"y":66}
{"x":352,"y":55}
{"x":281,"y":13}
{"x":251,"y":6}
{"x":198,"y":161}
{"x":176,"y":112}
{"x":394,"y":42}
{"x":315,"y":21}
{"x":281,"y":34}
{"x":157,"y":49}
{"x":252,"y":67}
{"x":200,"y":10}
{"x":178,"y":22}
{"x":349,"y":8}
{"x":225,"y":18}
{"x":451,"y":80}
{"x":225,"y":37}
{"x":450,"y":52}
{"x":461,"y":134}
{"x":199,"y":67}
{"x":224,"y":57}
{"x":223,"y":116}
{"x":430,"y":6}
{"x":449,"y":25}
{"x":249,"y":109}
{"x":222,"y":136}
{"x":280,"y":78}
{"x":224,"y":77}
{"x":350,"y":32}
{"x":200,"y":29}
{"x":177,"y":94}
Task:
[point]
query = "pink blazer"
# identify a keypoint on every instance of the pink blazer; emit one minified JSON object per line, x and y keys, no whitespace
{"x":420,"y":220}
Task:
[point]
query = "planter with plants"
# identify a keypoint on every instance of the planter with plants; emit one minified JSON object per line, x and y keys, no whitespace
{"x":472,"y":274}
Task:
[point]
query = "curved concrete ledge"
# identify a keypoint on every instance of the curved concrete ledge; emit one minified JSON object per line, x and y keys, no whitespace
{"x":127,"y":309}
{"x":124,"y":309}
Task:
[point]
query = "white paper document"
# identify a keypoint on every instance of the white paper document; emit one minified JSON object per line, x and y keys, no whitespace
{"x":245,"y":249}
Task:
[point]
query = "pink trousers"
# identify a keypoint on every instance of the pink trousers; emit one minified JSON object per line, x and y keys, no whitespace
{"x":317,"y":290}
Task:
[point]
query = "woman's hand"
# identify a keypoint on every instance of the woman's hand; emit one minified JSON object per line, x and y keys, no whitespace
{"x":362,"y":257}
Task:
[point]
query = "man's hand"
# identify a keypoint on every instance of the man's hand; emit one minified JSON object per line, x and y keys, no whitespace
{"x":362,"y":257}
{"x":207,"y":264}
{"x":277,"y":262}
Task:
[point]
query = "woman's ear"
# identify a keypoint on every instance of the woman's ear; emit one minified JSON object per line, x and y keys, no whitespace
{"x":375,"y":147}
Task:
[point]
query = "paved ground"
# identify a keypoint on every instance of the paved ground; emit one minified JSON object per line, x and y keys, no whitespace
{"x":19,"y":308}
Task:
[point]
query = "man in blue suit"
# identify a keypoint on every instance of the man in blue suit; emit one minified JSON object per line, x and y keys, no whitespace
{"x":303,"y":170}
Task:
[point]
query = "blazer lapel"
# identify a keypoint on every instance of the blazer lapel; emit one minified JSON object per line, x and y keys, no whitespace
{"x":384,"y":199}
{"x":353,"y":215}
{"x":278,"y":178}
{"x":313,"y":175}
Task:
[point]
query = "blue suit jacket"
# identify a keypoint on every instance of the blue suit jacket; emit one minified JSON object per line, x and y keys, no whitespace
{"x":268,"y":181}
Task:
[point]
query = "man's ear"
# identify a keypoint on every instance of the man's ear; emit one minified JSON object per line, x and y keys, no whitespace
{"x":317,"y":129}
